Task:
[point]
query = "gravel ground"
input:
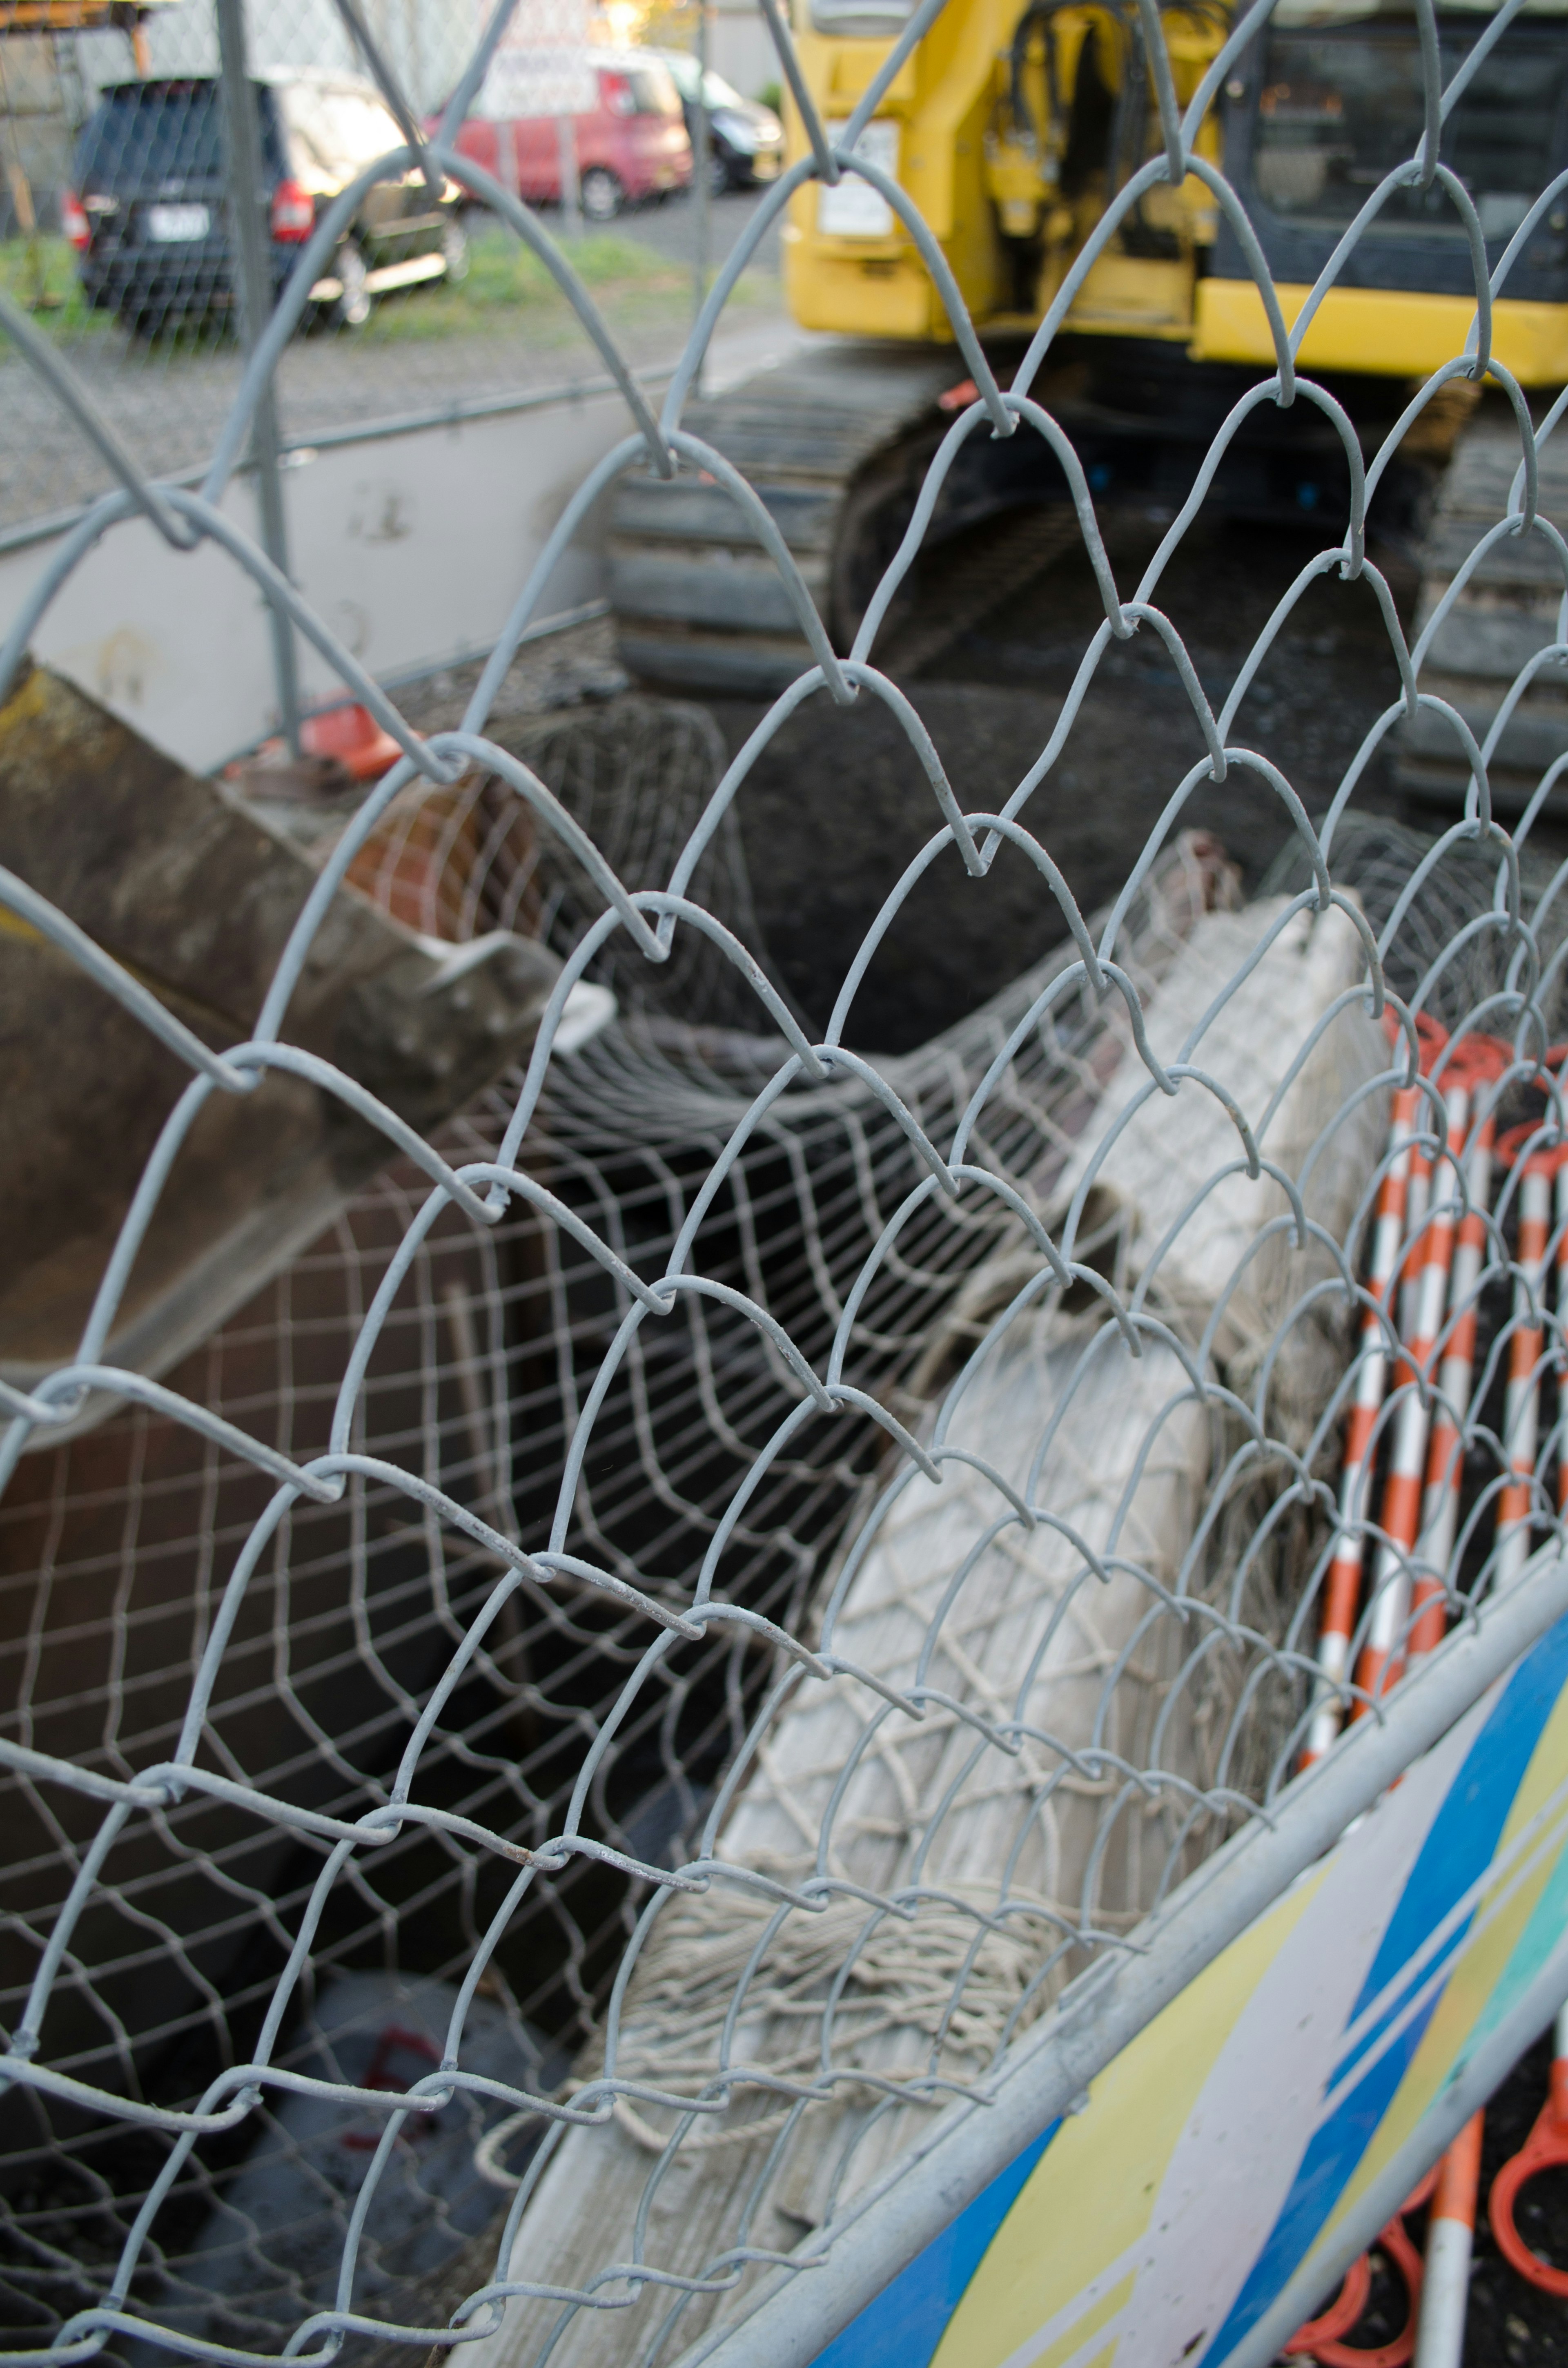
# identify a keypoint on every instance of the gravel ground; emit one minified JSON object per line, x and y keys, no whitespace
{"x":838,"y":805}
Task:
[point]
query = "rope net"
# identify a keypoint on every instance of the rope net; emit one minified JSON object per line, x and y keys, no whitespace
{"x":715,"y":1575}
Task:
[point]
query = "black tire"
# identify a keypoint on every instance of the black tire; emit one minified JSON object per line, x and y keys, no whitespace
{"x":601,"y":194}
{"x":145,"y":319}
{"x":718,"y":174}
{"x":454,"y":249}
{"x":351,"y":310}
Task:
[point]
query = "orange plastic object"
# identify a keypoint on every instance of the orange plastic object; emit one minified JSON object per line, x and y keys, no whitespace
{"x":1342,"y":2313}
{"x":1457,"y":2180}
{"x":1393,"y":2241}
{"x":1320,"y":2337}
{"x":353,"y":737}
{"x":1545,"y":2149}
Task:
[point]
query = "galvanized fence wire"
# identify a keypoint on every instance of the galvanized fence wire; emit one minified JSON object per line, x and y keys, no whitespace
{"x":752,"y":1566}
{"x":423,"y":307}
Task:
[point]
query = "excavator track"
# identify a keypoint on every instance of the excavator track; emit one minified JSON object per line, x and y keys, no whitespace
{"x":834,"y":441}
{"x":1506,"y":611}
{"x":838,"y":442}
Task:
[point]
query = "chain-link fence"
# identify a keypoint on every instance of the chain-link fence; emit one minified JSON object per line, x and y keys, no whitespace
{"x":612,"y":1602}
{"x":119,"y":238}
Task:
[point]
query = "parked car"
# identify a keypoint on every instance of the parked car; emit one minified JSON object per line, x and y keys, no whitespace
{"x":618,"y":106}
{"x":745,"y":139}
{"x":148,"y":212}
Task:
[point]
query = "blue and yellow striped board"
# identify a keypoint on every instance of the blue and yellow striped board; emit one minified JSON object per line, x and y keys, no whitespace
{"x":1223,"y":2155}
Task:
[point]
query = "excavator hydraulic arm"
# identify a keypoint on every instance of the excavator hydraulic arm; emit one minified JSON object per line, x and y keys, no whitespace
{"x":1011,"y":128}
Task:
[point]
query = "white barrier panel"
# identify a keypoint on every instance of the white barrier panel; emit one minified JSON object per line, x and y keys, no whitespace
{"x":410,"y":546}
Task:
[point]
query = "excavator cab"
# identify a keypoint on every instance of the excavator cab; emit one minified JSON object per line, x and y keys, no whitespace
{"x":1012,"y":131}
{"x":1314,"y":118}
{"x":1013,"y":138}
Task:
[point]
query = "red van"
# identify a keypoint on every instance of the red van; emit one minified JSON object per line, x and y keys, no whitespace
{"x":625,"y":114}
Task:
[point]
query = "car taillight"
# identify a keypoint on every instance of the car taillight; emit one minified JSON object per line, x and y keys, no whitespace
{"x":616,"y":92}
{"x":74,"y":219}
{"x":294,"y":214}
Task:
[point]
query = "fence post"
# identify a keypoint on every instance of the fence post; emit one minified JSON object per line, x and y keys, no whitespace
{"x":571,"y":188}
{"x":253,"y":290}
{"x":700,"y":169}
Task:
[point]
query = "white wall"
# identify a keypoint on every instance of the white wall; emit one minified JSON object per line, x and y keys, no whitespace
{"x":739,"y":47}
{"x":427,"y":41}
{"x":412,"y":550}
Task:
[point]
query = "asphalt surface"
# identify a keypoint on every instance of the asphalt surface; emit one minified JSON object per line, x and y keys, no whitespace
{"x":673,"y":229}
{"x":167,"y":397}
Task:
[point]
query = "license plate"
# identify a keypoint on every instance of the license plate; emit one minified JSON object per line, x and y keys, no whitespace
{"x":854,"y":210}
{"x":170,"y":224}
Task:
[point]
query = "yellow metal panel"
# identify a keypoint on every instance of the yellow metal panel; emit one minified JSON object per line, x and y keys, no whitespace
{"x":70,"y":15}
{"x":855,"y":67}
{"x":1393,"y":333}
{"x":942,"y":101}
{"x":1134,"y":296}
{"x":859,"y":297}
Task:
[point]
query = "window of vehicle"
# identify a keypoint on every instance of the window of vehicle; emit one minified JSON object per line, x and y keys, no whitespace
{"x":652,"y":90}
{"x":718,"y":92}
{"x":308,"y":122}
{"x":1338,"y":108}
{"x":143,"y":133}
{"x":355,"y":128}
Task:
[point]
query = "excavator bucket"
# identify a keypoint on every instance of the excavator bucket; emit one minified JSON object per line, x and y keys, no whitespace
{"x":195,"y":890}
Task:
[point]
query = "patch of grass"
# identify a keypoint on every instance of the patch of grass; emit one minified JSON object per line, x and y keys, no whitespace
{"x":506,"y":286}
{"x":505,"y":278}
{"x":40,"y":274}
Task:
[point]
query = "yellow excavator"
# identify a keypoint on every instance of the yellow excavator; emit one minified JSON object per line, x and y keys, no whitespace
{"x":1012,"y":129}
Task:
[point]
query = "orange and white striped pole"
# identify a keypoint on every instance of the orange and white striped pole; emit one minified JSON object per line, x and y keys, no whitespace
{"x":1417,"y":1200}
{"x":1450,"y":2237}
{"x":1342,"y":1588}
{"x":1425,"y":1297}
{"x":1445,"y":1461}
{"x":1545,"y":2149}
{"x":1451,"y":2225}
{"x":1521,"y":1417}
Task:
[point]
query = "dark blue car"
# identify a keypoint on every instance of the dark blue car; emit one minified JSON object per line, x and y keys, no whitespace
{"x":149,"y":214}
